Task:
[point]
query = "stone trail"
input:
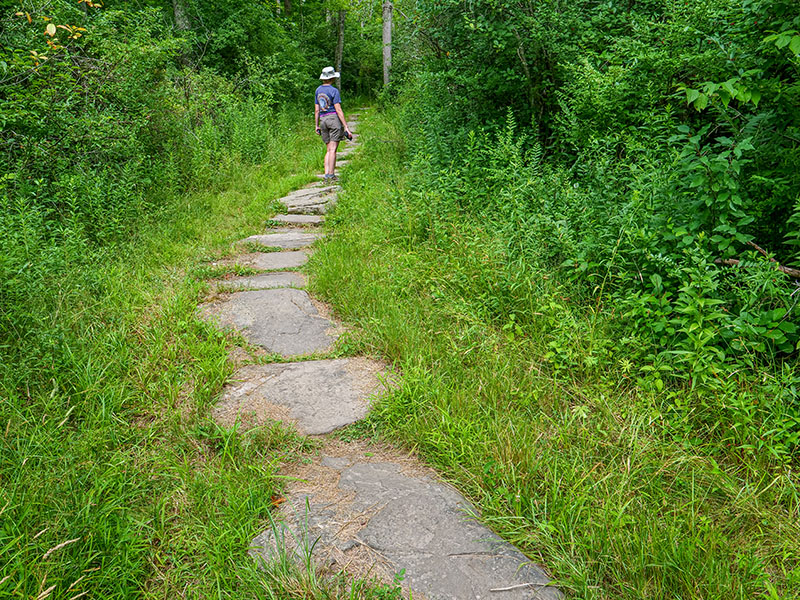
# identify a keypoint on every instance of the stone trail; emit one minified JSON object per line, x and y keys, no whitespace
{"x":273,"y":261}
{"x":317,"y":396}
{"x":266,"y":281}
{"x":285,"y":239}
{"x":299,"y":219}
{"x":363,"y":508}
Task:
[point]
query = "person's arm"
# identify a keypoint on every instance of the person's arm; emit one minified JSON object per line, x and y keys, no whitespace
{"x":340,"y":114}
{"x":316,"y":118}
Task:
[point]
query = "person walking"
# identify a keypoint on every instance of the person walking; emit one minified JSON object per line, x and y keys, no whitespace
{"x":329,"y":121}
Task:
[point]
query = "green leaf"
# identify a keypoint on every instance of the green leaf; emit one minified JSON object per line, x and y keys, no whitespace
{"x":691,"y":95}
{"x":728,"y":87}
{"x":794,"y":45}
{"x":701,"y":102}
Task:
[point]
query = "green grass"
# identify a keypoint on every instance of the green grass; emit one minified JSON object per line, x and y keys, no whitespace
{"x":114,"y":481}
{"x":582,"y":470}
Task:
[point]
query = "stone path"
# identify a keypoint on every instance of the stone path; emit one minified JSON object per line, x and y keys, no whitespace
{"x":364,"y":508}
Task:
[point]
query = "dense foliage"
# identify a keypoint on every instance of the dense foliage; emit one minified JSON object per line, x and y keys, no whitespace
{"x":648,"y":152}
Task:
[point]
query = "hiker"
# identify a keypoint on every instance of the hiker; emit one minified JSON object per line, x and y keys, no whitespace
{"x":329,"y":120}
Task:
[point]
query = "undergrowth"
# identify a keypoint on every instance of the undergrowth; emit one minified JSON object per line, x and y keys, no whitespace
{"x":114,"y":481}
{"x":618,"y":493}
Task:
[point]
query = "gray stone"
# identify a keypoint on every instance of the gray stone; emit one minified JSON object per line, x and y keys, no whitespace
{"x":312,"y":200}
{"x":280,"y":320}
{"x":287,"y":239}
{"x":314,"y":191}
{"x":407,"y":522}
{"x":335,"y":462}
{"x":270,"y":261}
{"x":299,"y":219}
{"x":320,"y":395}
{"x":267,"y":281}
{"x":312,"y":207}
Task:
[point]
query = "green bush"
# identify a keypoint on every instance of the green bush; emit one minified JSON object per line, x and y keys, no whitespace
{"x":647,"y":154}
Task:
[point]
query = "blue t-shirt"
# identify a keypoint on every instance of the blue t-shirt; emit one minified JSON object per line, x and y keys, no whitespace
{"x":327,"y":96}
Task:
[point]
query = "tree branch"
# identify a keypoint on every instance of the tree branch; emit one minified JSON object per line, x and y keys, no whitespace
{"x":732,"y":262}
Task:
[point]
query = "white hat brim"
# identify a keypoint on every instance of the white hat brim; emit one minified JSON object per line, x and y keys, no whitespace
{"x":334,"y":76}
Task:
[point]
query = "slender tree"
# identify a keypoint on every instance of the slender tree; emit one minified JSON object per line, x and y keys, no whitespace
{"x":387,"y":41}
{"x":340,"y":43}
{"x":180,"y":15}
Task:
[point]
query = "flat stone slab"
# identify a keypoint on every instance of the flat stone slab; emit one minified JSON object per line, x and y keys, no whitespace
{"x":313,"y":207}
{"x":299,"y":219}
{"x":280,"y":320}
{"x":380,"y":513}
{"x":287,"y":239}
{"x":267,"y":281}
{"x":271,"y":261}
{"x":317,"y":396}
{"x":314,"y":191}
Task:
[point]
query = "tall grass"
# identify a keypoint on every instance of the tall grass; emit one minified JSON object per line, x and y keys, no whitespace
{"x":578,"y":466}
{"x":115,"y":482}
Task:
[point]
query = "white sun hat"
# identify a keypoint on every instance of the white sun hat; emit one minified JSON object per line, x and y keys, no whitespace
{"x":329,"y":73}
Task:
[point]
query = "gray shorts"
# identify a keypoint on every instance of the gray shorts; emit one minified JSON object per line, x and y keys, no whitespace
{"x":331,"y":128}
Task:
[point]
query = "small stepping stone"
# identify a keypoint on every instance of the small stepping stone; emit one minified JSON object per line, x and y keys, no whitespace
{"x":288,"y":239}
{"x":280,"y":320}
{"x":271,"y":261}
{"x":402,"y":520}
{"x":317,"y":190}
{"x":299,"y":219}
{"x":311,"y":207}
{"x":268,"y":281}
{"x":318,"y":396}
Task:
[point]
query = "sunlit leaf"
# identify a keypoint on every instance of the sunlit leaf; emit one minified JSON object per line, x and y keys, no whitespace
{"x":701,"y":102}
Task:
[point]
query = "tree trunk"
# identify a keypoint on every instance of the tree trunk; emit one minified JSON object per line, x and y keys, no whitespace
{"x":340,"y":44}
{"x":179,"y":14}
{"x":287,"y":6}
{"x":387,"y":41}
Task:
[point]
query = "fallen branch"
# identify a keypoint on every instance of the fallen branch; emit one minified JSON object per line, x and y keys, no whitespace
{"x":752,"y":244}
{"x":735,"y":261}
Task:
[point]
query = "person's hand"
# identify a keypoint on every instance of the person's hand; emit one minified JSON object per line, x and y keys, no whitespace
{"x":318,"y":131}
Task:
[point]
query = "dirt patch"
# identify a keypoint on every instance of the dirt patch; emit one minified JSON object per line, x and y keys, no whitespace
{"x":326,"y":311}
{"x":238,"y":405}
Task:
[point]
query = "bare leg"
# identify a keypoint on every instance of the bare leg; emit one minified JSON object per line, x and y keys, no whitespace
{"x":330,"y":158}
